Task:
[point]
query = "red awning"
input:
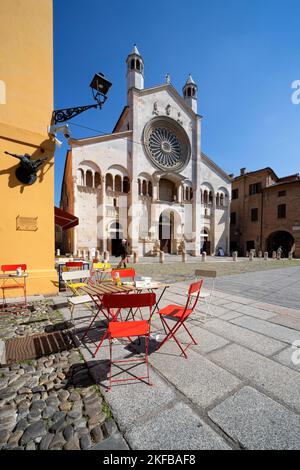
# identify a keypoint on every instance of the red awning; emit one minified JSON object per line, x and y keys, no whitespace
{"x":64,"y":219}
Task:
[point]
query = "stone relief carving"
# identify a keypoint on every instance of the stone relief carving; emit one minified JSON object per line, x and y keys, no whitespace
{"x":155,"y":108}
{"x":179,"y":120}
{"x":168,"y":109}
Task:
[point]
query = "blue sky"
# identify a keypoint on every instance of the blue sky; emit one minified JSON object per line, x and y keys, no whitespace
{"x":243,"y":54}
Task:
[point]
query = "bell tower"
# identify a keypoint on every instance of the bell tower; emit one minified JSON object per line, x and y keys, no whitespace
{"x":190,"y":93}
{"x":135,"y":70}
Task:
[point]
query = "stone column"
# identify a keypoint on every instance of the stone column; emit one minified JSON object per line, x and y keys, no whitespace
{"x":234,"y":256}
{"x":274,"y":255}
{"x":204,"y":256}
{"x":260,"y":254}
{"x":266,"y":256}
{"x":251,"y":255}
{"x":179,"y":193}
{"x":161,"y":257}
{"x":290,"y":255}
{"x":135,"y":257}
{"x":101,"y":211}
{"x":133,"y":219}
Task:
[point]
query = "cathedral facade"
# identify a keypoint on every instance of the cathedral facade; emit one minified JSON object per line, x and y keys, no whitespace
{"x":148,"y":181}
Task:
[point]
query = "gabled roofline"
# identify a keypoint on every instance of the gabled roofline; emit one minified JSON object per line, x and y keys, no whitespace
{"x":280,"y":183}
{"x":69,"y":152}
{"x":215,"y":167}
{"x":169,"y":87}
{"x":256,"y":171}
{"x":124,"y":112}
{"x":100,"y":138}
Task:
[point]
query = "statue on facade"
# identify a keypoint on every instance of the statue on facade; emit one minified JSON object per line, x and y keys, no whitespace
{"x":181,"y":247}
{"x":156,"y":248}
{"x":26,"y":171}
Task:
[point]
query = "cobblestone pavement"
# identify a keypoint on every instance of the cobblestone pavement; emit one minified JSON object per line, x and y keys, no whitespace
{"x":51,"y":402}
{"x":239,"y":388}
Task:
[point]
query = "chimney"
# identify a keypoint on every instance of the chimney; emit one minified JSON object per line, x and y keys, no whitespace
{"x":231,"y":176}
{"x":242,"y":171}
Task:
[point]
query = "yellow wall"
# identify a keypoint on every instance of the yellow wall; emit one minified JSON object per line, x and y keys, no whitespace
{"x":26,"y":69}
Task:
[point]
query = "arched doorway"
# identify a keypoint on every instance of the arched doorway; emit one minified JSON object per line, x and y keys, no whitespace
{"x":115,"y":235}
{"x":205,"y":242}
{"x":166,"y":231}
{"x":280,"y":238}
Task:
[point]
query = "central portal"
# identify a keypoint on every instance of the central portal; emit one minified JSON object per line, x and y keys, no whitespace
{"x":166,"y":231}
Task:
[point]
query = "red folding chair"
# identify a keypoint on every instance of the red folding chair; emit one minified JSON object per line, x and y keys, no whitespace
{"x":180,"y":314}
{"x":14,"y":282}
{"x":124,"y":274}
{"x":128,"y":329}
{"x":74,"y":265}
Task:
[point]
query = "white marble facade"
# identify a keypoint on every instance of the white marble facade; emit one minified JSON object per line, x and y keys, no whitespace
{"x":148,"y":180}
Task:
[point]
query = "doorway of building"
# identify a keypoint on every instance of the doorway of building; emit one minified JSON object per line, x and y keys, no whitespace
{"x":205,"y":242}
{"x":166,"y":231}
{"x":115,"y":235}
{"x":280,"y":238}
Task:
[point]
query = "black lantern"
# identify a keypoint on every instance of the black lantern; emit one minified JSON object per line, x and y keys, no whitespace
{"x":100,"y":86}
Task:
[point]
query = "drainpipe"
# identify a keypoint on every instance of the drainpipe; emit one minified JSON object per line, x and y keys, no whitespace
{"x":261,"y":220}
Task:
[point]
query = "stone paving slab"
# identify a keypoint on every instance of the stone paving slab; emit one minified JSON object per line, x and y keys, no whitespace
{"x":267,"y":328}
{"x":285,"y":358}
{"x":255,"y":341}
{"x":131,"y":402}
{"x":257,"y":422}
{"x":288,"y":321}
{"x":278,"y":309}
{"x":252,"y":311}
{"x":230,"y":316}
{"x":206,"y":340}
{"x":196,"y":377}
{"x":272,"y":378}
{"x":178,"y":428}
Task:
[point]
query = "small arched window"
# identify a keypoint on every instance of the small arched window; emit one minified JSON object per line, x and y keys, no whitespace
{"x":109,"y":181}
{"x":205,"y":196}
{"x":89,"y":179}
{"x":126,"y":185}
{"x":132,"y":64}
{"x":193,"y":90}
{"x":210,"y":197}
{"x":80,"y":175}
{"x":144,"y":188}
{"x":139,"y":187}
{"x":222,"y":200}
{"x":150,"y":189}
{"x":191,"y":194}
{"x":138,"y":65}
{"x":97,"y":180}
{"x":118,"y":183}
{"x":189,"y":92}
{"x":187,"y":194}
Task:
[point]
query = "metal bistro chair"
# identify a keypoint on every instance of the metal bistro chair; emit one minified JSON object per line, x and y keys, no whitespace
{"x":125,"y":273}
{"x":128,"y":329}
{"x":15,"y":284}
{"x":82,"y":277}
{"x":180,"y":314}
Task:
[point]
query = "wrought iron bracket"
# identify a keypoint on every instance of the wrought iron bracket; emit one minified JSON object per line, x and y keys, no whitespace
{"x":62,"y":115}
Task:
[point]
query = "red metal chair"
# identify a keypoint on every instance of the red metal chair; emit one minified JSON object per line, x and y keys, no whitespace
{"x":123,"y":273}
{"x":17,"y":283}
{"x":74,"y":265}
{"x":180,"y":314}
{"x":128,"y":329}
